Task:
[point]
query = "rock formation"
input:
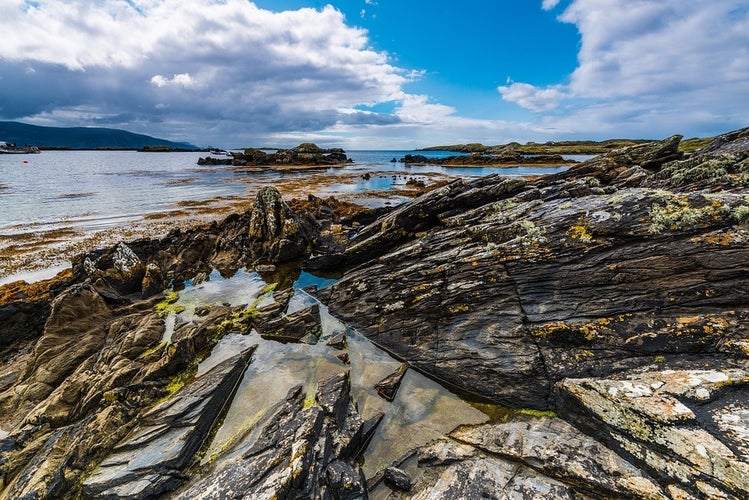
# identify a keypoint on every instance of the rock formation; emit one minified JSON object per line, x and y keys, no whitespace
{"x":504,"y":158}
{"x":611,"y":298}
{"x":304,"y":155}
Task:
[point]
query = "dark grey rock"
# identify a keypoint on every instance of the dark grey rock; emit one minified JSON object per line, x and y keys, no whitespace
{"x":552,"y":279}
{"x":387,"y":388}
{"x":397,"y":479}
{"x":302,"y":452}
{"x":292,"y":327}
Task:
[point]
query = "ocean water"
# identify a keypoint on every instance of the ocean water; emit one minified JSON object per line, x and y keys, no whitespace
{"x":93,"y":190}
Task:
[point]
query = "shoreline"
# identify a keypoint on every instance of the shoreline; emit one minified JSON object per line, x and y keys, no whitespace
{"x":36,"y":254}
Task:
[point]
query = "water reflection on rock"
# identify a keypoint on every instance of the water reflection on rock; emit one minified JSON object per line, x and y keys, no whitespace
{"x":422,"y":410}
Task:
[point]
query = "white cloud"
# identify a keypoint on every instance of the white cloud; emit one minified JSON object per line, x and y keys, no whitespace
{"x":657,"y":67}
{"x":530,"y":97}
{"x":549,"y":4}
{"x":240,"y":71}
{"x":182,"y":80}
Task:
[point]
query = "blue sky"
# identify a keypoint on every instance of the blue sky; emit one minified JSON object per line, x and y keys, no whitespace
{"x":378,"y":74}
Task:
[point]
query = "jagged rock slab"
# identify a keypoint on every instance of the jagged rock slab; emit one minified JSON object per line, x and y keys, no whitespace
{"x":150,"y":460}
{"x":587,"y":273}
{"x":556,"y":449}
{"x":690,"y":428}
{"x":74,"y":330}
{"x":303,"y":452}
{"x":387,"y":388}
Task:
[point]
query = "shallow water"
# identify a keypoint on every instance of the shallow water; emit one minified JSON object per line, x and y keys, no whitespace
{"x":422,"y":411}
{"x":93,"y":190}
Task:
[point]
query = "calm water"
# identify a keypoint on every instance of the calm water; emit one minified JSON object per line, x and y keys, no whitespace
{"x":98,"y":189}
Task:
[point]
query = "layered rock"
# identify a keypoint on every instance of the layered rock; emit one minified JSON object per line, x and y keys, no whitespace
{"x":307,"y":450}
{"x":503,"y":287}
{"x":690,"y":428}
{"x":152,"y":458}
{"x":93,"y":372}
{"x":526,"y":458}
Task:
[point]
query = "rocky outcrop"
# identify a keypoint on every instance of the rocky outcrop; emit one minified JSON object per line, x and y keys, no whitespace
{"x":526,"y":458}
{"x":276,"y":234}
{"x":304,"y":155}
{"x":505,"y":158}
{"x":269,"y":233}
{"x":151,"y":459}
{"x":613,"y":293}
{"x":93,"y":372}
{"x":688,"y":427}
{"x":306,"y":451}
{"x":586,"y":273}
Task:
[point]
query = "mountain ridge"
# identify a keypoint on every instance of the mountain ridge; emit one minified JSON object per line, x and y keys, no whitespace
{"x":81,"y":137}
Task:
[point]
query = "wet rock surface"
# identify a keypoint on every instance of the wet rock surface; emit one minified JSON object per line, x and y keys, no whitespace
{"x":151,"y":459}
{"x":301,"y":453}
{"x":613,"y":294}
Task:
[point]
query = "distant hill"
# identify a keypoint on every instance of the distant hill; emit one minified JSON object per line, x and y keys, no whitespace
{"x":564,"y":147}
{"x":81,"y":138}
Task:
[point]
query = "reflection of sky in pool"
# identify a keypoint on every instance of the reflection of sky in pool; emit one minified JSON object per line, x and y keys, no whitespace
{"x":422,"y":411}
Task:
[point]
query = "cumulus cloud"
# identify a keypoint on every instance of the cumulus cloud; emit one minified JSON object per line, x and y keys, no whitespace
{"x":643,"y":64}
{"x":549,"y":4}
{"x":182,"y":79}
{"x":530,"y":97}
{"x":234,"y":70}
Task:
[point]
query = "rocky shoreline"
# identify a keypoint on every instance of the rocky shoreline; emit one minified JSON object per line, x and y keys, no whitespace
{"x":608,"y":303}
{"x":500,"y":159}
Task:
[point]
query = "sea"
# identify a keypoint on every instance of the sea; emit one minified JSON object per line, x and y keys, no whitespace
{"x":95,"y":190}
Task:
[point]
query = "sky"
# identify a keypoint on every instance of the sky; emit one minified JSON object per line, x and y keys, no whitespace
{"x":378,"y":74}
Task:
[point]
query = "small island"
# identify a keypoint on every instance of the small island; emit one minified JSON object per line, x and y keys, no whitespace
{"x":304,"y":156}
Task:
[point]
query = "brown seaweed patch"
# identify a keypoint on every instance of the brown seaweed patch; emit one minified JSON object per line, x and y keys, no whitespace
{"x":180,"y":182}
{"x":73,"y":196}
{"x":166,"y":215}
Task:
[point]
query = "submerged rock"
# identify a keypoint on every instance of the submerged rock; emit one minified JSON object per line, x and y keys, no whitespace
{"x":291,"y":328}
{"x":387,"y":388}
